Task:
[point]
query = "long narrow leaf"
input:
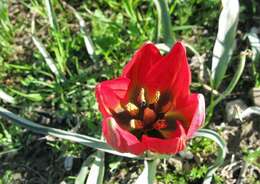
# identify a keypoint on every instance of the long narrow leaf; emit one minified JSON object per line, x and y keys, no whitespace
{"x":255,"y":46}
{"x":225,"y":41}
{"x":74,"y":137}
{"x":229,"y":89}
{"x":164,"y":32}
{"x":80,"y":179}
{"x":255,"y":43}
{"x":10,"y":151}
{"x":88,"y":41}
{"x":46,"y":56}
{"x":235,"y":78}
{"x":96,"y":173}
{"x":37,"y":97}
{"x":129,"y":8}
{"x":210,"y":134}
{"x":51,"y":15}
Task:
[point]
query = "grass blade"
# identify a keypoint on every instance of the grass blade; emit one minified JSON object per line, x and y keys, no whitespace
{"x":225,"y":41}
{"x":51,"y":15}
{"x":88,"y":41}
{"x":48,"y":59}
{"x":74,"y":137}
{"x":10,"y":151}
{"x":36,"y":97}
{"x":210,"y":134}
{"x":129,"y":8}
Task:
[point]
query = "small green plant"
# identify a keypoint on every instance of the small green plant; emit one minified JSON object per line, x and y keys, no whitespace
{"x":253,"y":157}
{"x":7,"y":32}
{"x":7,"y":177}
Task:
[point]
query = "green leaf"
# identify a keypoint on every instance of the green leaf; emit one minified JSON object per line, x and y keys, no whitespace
{"x":255,"y":47}
{"x":128,"y":5}
{"x":84,"y":170}
{"x":10,"y":151}
{"x":235,"y":78}
{"x":96,"y":173}
{"x":47,"y":57}
{"x":83,"y":29}
{"x":224,"y":44}
{"x":164,"y":32}
{"x":74,"y":137}
{"x":230,"y":87}
{"x":148,"y":174}
{"x":255,"y":43}
{"x":253,"y":157}
{"x":210,"y":134}
{"x":51,"y":15}
{"x":6,"y":98}
{"x":36,"y":97}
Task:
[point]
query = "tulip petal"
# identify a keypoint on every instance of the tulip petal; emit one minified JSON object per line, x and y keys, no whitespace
{"x":110,"y":93}
{"x":198,"y":116}
{"x":141,"y":62}
{"x":121,"y":139}
{"x":171,"y":73}
{"x":172,"y":145}
{"x":193,"y":109}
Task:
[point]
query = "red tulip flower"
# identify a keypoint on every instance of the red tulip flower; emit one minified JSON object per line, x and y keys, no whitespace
{"x":150,"y":107}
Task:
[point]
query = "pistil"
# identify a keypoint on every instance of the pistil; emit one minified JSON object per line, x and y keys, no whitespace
{"x":149,"y":116}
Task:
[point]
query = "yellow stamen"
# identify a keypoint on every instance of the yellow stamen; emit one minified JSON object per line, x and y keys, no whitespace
{"x":132,"y":109}
{"x":136,"y":124}
{"x":142,"y":95}
{"x":118,"y":109}
{"x":156,"y":97}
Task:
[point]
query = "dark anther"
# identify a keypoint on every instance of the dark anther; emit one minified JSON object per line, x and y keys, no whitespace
{"x":160,"y":115}
{"x":151,"y":106}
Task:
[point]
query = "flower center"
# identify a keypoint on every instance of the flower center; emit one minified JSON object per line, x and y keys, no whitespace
{"x":147,"y":115}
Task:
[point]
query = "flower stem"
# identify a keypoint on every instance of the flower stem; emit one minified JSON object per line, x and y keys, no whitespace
{"x":164,"y":22}
{"x":151,"y":164}
{"x":148,"y":174}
